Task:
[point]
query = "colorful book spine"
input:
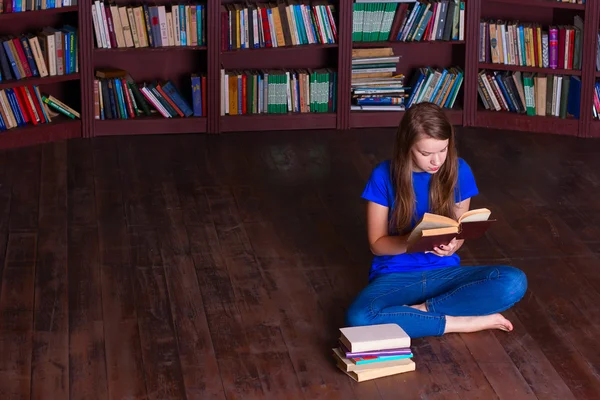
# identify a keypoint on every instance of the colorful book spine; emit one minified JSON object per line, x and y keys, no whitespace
{"x":553,"y":48}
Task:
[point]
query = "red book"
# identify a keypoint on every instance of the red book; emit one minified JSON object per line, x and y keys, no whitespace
{"x":435,"y":230}
{"x":562,"y":33}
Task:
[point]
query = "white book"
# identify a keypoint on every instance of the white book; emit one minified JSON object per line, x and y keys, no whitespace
{"x":374,"y":337}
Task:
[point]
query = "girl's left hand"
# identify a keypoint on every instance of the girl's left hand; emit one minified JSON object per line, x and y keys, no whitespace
{"x":446,"y":250}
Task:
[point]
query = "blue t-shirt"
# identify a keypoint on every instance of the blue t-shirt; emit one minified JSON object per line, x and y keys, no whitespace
{"x":380,"y":190}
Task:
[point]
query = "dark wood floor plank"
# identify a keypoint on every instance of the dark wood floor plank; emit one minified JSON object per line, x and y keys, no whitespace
{"x":25,"y":190}
{"x":50,"y":358}
{"x":268,"y":212}
{"x":564,"y":306}
{"x":125,"y":371}
{"x":196,"y":351}
{"x":80,"y":183}
{"x":192,"y":335}
{"x":587,"y":272}
{"x":6,"y":176}
{"x":299,"y":323}
{"x":238,"y":372}
{"x":87,"y":359}
{"x":16,"y":316}
{"x":531,"y":361}
{"x":565,"y":359}
{"x":497,"y":366}
{"x":259,"y":314}
{"x":144,"y":205}
{"x":162,"y":366}
{"x":458,"y":365}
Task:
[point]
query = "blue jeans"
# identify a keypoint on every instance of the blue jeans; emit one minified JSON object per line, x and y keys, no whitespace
{"x":456,"y":291}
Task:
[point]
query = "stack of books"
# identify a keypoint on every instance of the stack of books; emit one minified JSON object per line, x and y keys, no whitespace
{"x":375,"y":84}
{"x":374,"y":351}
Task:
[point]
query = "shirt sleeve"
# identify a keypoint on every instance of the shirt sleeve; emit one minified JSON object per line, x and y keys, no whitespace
{"x":466,"y":187}
{"x":376,"y":189}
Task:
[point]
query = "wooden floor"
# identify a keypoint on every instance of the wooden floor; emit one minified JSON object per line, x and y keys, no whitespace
{"x":206,"y":267}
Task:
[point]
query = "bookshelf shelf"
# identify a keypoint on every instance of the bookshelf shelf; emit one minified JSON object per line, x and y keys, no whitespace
{"x":541,"y":3}
{"x":522,"y":122}
{"x":305,"y":56}
{"x":59,"y":129}
{"x":260,"y":122}
{"x":380,"y":119}
{"x":505,"y":67}
{"x":150,"y":126}
{"x":398,"y":43}
{"x":39,"y":81}
{"x":133,"y":50}
{"x":261,"y":50}
{"x":19,"y":16}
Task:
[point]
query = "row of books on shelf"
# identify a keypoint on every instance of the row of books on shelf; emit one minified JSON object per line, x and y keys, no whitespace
{"x":427,"y":20}
{"x":528,"y":44}
{"x":50,"y":52}
{"x":15,"y":6}
{"x":285,"y":23}
{"x":148,"y":25}
{"x":118,"y":96}
{"x":377,"y":86}
{"x":278,"y":91}
{"x":530,"y":93}
{"x":26,"y":105}
{"x":373,"y":351}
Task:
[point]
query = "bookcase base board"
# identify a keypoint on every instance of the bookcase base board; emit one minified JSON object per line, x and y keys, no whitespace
{"x":150,"y":126}
{"x":382,"y":119}
{"x":594,"y":130}
{"x":521,"y":122}
{"x":269,"y":122}
{"x":55,"y":131}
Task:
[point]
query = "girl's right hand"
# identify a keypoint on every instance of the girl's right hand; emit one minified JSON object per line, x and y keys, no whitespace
{"x":446,"y":250}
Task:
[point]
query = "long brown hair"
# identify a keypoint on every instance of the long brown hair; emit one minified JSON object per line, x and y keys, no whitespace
{"x":423,"y":119}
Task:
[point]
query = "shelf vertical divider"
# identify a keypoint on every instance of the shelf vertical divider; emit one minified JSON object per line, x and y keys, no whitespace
{"x":213,"y":59}
{"x":86,"y":67}
{"x":588,"y":67}
{"x":344,"y":63}
{"x":472,"y":18}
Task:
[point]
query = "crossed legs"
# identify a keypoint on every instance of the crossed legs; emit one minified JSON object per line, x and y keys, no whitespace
{"x":431,"y":303}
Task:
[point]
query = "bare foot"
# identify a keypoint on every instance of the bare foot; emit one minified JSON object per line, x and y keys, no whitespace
{"x":475,"y":324}
{"x":420,"y":307}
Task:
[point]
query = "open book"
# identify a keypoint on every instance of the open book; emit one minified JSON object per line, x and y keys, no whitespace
{"x":434,"y":230}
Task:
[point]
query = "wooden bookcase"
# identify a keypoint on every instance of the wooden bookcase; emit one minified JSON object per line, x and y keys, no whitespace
{"x":68,"y":88}
{"x":177,"y":63}
{"x":545,"y":13}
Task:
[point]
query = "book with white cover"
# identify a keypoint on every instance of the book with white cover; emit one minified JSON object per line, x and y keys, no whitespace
{"x":374,"y":337}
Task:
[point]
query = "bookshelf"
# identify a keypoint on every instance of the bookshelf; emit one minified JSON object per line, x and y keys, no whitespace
{"x":147,"y":58}
{"x":560,"y":84}
{"x":274,"y":57}
{"x":214,"y":56}
{"x":21,"y":32}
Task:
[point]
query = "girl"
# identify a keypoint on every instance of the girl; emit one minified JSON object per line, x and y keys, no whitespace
{"x":427,"y":294}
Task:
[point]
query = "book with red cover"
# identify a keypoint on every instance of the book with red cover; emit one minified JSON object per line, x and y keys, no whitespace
{"x":435,"y":230}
